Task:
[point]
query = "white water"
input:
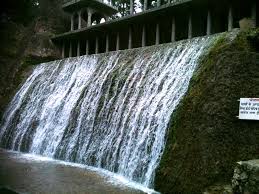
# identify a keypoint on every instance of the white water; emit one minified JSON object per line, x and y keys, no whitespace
{"x":109,"y":111}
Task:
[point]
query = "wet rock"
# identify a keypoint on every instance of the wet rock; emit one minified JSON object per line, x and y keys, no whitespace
{"x":40,"y":44}
{"x":246,"y":177}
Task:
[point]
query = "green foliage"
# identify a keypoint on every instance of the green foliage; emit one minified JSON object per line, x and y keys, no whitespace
{"x":253,"y":38}
{"x":123,"y":6}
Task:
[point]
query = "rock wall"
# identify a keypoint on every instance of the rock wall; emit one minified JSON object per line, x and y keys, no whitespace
{"x":205,"y":138}
{"x":24,"y":45}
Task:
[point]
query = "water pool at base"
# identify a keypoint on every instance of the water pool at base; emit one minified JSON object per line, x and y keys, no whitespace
{"x":27,"y":173}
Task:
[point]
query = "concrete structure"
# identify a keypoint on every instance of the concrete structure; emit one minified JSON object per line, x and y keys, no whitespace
{"x":172,"y":21}
{"x":83,"y":13}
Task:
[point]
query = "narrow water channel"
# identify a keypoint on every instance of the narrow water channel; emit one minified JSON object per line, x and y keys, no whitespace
{"x":25,"y":173}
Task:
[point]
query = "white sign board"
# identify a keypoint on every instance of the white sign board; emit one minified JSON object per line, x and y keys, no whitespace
{"x":249,"y":109}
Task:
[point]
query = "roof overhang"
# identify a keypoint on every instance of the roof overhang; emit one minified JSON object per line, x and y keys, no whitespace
{"x":74,"y":5}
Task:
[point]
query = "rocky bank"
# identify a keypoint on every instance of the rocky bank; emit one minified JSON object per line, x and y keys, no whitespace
{"x":205,"y":138}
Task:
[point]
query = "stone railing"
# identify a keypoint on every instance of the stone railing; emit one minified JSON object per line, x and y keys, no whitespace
{"x":74,"y":1}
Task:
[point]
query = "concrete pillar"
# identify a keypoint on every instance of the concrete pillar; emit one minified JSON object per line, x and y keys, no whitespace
{"x":106,"y":18}
{"x":208,"y":23}
{"x":145,"y":5}
{"x":230,"y":18}
{"x":158,"y":3}
{"x":118,"y":42}
{"x":79,"y":19}
{"x":72,"y":22}
{"x":190,"y":27}
{"x":157,"y":34}
{"x":96,"y":45}
{"x":168,"y":1}
{"x":70,"y":49}
{"x":131,"y":6}
{"x":89,"y":17}
{"x":87,"y":47}
{"x":98,"y":21}
{"x":107,"y":44}
{"x":253,"y":14}
{"x":130,"y":38}
{"x":173,"y":30}
{"x":78,"y":49}
{"x":63,"y":50}
{"x":144,"y":36}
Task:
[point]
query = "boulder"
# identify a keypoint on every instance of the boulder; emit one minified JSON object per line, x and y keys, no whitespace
{"x":246,"y":24}
{"x":246,"y":177}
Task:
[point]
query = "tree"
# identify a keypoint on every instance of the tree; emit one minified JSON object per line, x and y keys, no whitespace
{"x":21,"y":11}
{"x":123,"y":6}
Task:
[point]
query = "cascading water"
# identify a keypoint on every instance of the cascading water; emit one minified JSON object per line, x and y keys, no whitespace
{"x":109,"y":110}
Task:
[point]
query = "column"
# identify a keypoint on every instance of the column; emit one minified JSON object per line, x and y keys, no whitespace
{"x":98,"y":21}
{"x":63,"y":50}
{"x":107,"y":44}
{"x":106,"y":18}
{"x":190,"y":27}
{"x":173,"y":30}
{"x":131,"y":6}
{"x":72,"y":22}
{"x":78,"y":48}
{"x":158,"y":3}
{"x":145,"y":5}
{"x":130,"y":38}
{"x":118,"y":42}
{"x":144,"y":35}
{"x":208,"y":23}
{"x":157,"y":34}
{"x":253,"y":15}
{"x":230,"y":18}
{"x":96,"y":45}
{"x":168,"y":1}
{"x":70,"y":49}
{"x":89,"y":17}
{"x":86,"y":47}
{"x":79,"y":19}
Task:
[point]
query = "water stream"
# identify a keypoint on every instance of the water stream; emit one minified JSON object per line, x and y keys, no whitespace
{"x":109,"y":111}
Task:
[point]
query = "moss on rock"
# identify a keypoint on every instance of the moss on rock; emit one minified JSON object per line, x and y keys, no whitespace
{"x":205,"y":138}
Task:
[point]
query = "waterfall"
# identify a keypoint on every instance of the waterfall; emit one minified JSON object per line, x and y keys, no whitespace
{"x":109,"y":110}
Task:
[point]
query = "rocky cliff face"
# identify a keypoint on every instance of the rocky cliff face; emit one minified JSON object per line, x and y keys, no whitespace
{"x":23,"y":46}
{"x":205,"y":138}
